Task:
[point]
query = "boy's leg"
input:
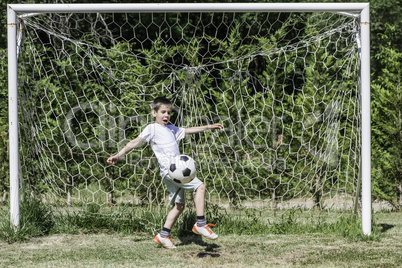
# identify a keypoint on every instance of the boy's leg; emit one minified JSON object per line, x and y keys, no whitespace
{"x":199,"y":200}
{"x":201,"y":227}
{"x":163,"y":238}
{"x":173,"y":215}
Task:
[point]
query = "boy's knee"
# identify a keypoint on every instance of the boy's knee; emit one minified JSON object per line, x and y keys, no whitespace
{"x":180,"y":207}
{"x":201,"y":188}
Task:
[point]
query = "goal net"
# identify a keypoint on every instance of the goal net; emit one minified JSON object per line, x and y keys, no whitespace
{"x":285,"y":86}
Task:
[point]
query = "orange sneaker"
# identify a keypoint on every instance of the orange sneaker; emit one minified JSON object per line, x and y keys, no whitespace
{"x":205,"y":231}
{"x":165,"y":242}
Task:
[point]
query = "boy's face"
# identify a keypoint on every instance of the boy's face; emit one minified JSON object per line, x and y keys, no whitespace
{"x":162,"y":116}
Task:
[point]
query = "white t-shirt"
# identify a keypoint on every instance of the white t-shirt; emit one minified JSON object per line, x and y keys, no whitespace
{"x":163,"y":142}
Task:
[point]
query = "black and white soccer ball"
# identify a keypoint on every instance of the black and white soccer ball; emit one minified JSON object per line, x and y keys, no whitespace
{"x":182,"y":169}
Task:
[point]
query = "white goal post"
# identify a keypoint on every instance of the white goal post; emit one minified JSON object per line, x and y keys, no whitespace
{"x":362,"y":9}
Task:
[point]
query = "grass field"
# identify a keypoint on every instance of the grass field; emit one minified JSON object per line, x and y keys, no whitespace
{"x":109,"y":249}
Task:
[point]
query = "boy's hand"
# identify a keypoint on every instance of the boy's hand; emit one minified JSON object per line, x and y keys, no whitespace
{"x":216,"y":126}
{"x":112,"y":160}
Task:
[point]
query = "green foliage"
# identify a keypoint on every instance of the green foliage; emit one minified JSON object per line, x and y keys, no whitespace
{"x":39,"y":220}
{"x":383,"y":15}
{"x":36,"y":220}
{"x":387,"y":122}
{"x":4,"y":160}
{"x":94,"y":86}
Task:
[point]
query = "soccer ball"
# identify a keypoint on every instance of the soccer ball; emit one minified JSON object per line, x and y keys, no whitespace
{"x":182,"y":169}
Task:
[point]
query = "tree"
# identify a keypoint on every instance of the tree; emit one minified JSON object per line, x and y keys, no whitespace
{"x":387,"y":121}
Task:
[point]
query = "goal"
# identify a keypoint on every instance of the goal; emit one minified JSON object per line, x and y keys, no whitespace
{"x":289,"y":82}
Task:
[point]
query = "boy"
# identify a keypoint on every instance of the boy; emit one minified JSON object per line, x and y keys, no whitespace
{"x":163,"y":139}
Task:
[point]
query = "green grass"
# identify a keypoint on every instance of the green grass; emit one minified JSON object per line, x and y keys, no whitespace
{"x":247,"y":239}
{"x":138,"y":250}
{"x":35,"y":220}
{"x":38,"y":220}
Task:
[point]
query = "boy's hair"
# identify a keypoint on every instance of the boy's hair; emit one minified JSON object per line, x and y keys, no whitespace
{"x":159,"y":101}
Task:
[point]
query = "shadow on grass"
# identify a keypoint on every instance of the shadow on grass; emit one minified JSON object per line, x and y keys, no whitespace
{"x":210,"y":249}
{"x":385,"y":227}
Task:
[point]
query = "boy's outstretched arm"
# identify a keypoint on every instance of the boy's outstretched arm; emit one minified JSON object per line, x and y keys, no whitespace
{"x":195,"y":130}
{"x":129,"y":146}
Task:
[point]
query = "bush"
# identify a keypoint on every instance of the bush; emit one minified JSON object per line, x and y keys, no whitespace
{"x":35,"y":220}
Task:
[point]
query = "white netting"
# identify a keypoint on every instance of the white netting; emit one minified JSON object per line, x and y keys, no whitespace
{"x":284,"y":85}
